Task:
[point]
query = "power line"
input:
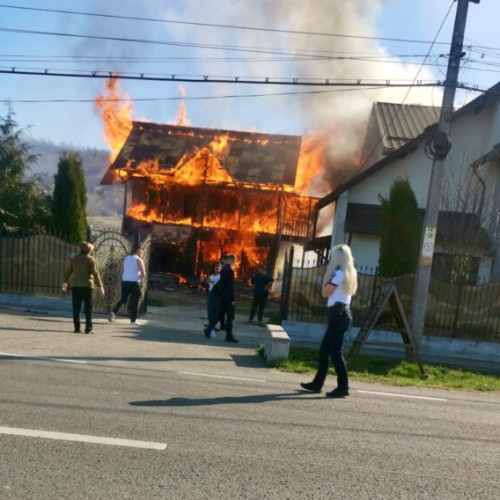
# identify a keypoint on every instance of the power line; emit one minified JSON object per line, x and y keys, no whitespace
{"x":185,"y":98}
{"x":404,"y":98}
{"x":214,"y":25}
{"x":319,"y":82}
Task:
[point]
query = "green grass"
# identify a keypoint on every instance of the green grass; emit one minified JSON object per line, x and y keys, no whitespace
{"x":395,"y":372}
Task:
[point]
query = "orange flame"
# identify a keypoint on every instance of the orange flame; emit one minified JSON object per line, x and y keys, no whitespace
{"x":116,"y":116}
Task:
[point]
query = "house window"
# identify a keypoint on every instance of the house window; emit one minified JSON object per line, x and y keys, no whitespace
{"x":455,"y":269}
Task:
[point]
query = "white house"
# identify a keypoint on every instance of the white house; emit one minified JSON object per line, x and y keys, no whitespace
{"x":471,"y":192}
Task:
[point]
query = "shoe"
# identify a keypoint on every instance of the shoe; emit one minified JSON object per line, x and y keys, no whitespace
{"x":311,"y":387}
{"x":89,"y":331}
{"x":112,"y":316}
{"x":135,"y":323}
{"x":213,"y":335}
{"x":337,"y":393}
{"x":77,"y":330}
{"x":231,"y":339}
{"x":206,"y":331}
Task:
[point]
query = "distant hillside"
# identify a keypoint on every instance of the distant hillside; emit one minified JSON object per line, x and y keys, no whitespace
{"x":102,"y":200}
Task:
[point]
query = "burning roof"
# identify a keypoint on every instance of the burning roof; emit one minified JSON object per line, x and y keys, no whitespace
{"x":241,"y":157}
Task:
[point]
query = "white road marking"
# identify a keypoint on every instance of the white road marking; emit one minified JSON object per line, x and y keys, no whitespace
{"x":222,"y":376}
{"x":63,"y":436}
{"x":43,"y":358}
{"x":397,"y":395}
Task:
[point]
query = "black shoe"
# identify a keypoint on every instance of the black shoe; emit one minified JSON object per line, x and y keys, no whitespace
{"x":337,"y":393}
{"x":207,"y":333}
{"x":311,"y":387}
{"x":77,"y":330}
{"x":89,"y":331}
{"x":231,"y":339}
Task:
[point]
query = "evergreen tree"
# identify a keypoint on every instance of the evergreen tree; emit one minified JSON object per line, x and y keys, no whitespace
{"x":401,"y":227}
{"x":70,"y":198}
{"x":23,"y":203}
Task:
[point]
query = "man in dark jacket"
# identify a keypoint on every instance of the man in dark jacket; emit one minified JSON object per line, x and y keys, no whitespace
{"x":261,"y":282}
{"x":227,"y":298}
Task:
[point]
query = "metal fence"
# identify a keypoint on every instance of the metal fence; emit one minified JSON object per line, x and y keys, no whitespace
{"x":459,"y":311}
{"x":36,"y":263}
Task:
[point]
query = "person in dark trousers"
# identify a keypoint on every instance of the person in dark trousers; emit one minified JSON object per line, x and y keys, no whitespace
{"x":132,"y":273}
{"x":213,"y":298}
{"x":339,"y":285}
{"x":227,"y":298}
{"x":261,"y":282}
{"x":84,"y":275}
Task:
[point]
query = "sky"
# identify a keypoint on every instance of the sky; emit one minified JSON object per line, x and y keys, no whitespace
{"x":312,"y":41}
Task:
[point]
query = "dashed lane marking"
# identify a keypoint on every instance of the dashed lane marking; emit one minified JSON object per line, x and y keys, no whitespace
{"x":43,"y":358}
{"x":63,"y":436}
{"x":399,"y":395}
{"x":222,"y":376}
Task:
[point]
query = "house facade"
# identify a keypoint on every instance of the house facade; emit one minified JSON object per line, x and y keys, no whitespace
{"x":469,"y":219}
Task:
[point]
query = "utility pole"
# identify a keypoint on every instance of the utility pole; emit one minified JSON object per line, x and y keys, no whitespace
{"x":441,"y":145}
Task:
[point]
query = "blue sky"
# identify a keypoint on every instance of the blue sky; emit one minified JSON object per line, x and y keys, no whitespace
{"x":249,"y":53}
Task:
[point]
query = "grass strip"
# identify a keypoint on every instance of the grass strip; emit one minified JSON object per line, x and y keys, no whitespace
{"x":395,"y":372}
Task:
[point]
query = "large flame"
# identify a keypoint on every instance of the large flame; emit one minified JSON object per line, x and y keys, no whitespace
{"x":115,"y":109}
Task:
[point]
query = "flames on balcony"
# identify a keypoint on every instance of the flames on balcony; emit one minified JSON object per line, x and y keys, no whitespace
{"x":210,"y":191}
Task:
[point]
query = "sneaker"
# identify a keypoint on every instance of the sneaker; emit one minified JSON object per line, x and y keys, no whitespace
{"x":213,"y":335}
{"x":135,"y":323}
{"x":337,"y":393}
{"x":112,"y":316}
{"x":311,"y":387}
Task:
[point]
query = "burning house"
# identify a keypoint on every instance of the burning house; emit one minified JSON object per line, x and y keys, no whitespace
{"x":201,"y":192}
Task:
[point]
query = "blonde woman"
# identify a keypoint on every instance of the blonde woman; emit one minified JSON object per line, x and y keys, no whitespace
{"x":339,"y":285}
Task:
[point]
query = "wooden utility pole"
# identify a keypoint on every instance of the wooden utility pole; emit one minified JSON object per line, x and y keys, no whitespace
{"x":440,"y":147}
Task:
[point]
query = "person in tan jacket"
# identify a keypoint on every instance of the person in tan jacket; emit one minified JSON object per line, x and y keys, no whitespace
{"x":84,"y":275}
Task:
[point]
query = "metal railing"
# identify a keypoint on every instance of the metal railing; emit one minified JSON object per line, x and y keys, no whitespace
{"x":453,"y":310}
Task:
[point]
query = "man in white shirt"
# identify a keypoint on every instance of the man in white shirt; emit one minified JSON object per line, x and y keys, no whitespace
{"x":133,"y":271}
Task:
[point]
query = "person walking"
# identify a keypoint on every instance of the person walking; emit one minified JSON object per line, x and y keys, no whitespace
{"x":339,"y":285}
{"x":227,"y":298}
{"x":133,"y":271}
{"x":262,"y":283}
{"x":84,"y":275}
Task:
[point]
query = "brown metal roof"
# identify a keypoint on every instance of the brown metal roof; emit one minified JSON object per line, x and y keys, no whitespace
{"x":249,"y":157}
{"x":400,"y":123}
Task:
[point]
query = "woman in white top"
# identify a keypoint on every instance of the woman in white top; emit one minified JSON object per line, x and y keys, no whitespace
{"x":213,"y":300}
{"x":339,"y":285}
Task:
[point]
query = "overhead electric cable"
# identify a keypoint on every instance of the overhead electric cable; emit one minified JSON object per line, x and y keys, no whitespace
{"x":318,"y":82}
{"x":215,"y":25}
{"x":404,"y":98}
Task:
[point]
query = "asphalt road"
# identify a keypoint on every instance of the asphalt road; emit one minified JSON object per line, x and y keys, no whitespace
{"x":197,"y":418}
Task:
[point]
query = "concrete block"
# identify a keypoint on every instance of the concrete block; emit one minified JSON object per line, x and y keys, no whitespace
{"x":277,"y":343}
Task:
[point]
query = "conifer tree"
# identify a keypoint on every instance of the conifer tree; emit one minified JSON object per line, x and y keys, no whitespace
{"x":23,"y":202}
{"x":400,"y":232}
{"x":70,"y":198}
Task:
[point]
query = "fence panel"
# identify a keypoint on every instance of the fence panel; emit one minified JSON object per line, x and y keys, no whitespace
{"x":33,"y":263}
{"x":462,"y":311}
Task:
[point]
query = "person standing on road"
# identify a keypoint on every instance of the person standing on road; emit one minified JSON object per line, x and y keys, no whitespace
{"x":339,"y":285}
{"x":227,"y":298}
{"x":262,"y":283}
{"x":213,"y":299}
{"x":133,"y":271}
{"x":84,"y":275}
